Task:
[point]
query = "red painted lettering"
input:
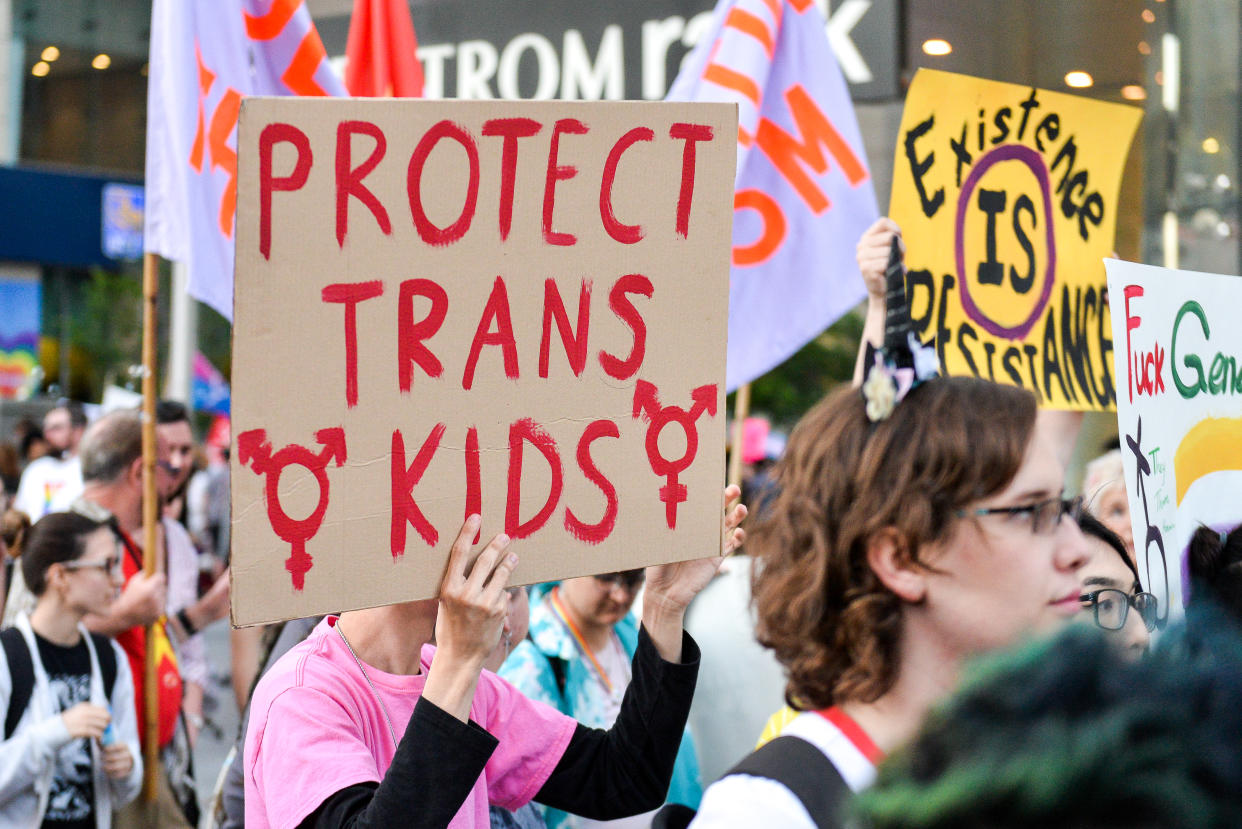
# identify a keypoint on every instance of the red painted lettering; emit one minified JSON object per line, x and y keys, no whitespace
{"x":528,"y":431}
{"x":623,"y":233}
{"x":268,"y":183}
{"x":1133,"y":321}
{"x":497,"y":309}
{"x":427,"y":230}
{"x":511,"y":129}
{"x":350,"y":294}
{"x":404,"y":509}
{"x":474,"y":477}
{"x":557,"y":172}
{"x":349,"y":178}
{"x":411,"y":335}
{"x":691,"y":134}
{"x":594,"y":533}
{"x":634,"y":283}
{"x":575,"y":343}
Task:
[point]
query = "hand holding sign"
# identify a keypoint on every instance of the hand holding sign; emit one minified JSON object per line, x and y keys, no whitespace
{"x":472,"y":597}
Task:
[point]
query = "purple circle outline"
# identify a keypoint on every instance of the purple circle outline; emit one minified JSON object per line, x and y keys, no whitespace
{"x":1033,"y":161}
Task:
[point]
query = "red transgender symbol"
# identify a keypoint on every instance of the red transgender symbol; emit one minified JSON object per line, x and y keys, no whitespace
{"x":647,"y":404}
{"x":253,"y":449}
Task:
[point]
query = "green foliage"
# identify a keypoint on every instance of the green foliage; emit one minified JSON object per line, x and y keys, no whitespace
{"x":108,"y":331}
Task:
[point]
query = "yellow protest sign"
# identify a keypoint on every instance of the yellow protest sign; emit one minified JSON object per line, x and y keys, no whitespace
{"x":1007,"y":199}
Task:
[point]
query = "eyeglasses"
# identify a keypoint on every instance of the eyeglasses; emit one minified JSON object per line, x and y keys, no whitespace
{"x":1111,"y":607}
{"x":1045,"y":516}
{"x":111,"y":564}
{"x":628,"y":580}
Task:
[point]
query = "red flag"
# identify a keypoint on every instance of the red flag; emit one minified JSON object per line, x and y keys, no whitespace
{"x":381,"y":51}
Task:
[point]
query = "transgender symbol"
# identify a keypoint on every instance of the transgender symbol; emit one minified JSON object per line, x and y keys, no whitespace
{"x":647,"y":404}
{"x":253,"y":449}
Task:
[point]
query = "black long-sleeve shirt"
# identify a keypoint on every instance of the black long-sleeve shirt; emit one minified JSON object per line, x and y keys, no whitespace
{"x":603,"y":774}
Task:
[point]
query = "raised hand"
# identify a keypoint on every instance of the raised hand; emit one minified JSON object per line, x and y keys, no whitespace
{"x":670,"y":587}
{"x":674,"y":585}
{"x":872,"y":252}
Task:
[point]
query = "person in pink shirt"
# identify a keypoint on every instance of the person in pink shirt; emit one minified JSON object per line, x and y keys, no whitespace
{"x":366,"y":723}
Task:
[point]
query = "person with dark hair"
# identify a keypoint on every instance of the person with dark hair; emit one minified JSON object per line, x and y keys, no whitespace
{"x":188,"y":613}
{"x":70,"y":754}
{"x":1112,"y":594}
{"x":917,"y":523}
{"x":1215,"y":563}
{"x":1068,"y":733}
{"x":51,"y":483}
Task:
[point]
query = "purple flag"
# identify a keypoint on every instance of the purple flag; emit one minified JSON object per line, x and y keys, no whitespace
{"x":803,"y":191}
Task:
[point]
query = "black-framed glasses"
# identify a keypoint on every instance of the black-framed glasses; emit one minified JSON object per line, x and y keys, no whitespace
{"x":628,"y":579}
{"x":1111,"y":607}
{"x":111,"y":564}
{"x":1045,"y":516}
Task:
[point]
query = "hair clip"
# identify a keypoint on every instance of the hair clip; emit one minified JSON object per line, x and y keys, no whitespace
{"x":903,"y":362}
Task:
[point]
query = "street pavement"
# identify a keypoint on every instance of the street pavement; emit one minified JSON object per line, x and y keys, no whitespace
{"x":222,"y":717}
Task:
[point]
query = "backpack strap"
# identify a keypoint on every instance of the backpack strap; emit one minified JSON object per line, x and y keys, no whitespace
{"x":21,"y":672}
{"x":801,"y":767}
{"x":107,"y":662}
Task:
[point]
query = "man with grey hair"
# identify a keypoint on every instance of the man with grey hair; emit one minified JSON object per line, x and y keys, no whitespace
{"x":112,"y":471}
{"x":111,"y":455}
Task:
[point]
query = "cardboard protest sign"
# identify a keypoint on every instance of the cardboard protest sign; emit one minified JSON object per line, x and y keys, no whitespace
{"x":1179,"y":412}
{"x":1007,"y":199}
{"x":511,"y":308}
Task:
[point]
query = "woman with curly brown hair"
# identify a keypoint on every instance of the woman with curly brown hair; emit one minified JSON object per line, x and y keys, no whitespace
{"x":917,"y":524}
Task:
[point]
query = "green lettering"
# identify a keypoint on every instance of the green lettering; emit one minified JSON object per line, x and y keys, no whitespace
{"x":1192,"y":361}
{"x":1216,"y":379}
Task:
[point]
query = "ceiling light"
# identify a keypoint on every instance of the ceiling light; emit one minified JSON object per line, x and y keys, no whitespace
{"x":1149,"y":16}
{"x":1144,"y":47}
{"x":1133,"y":92}
{"x":937,"y":47}
{"x":40,"y":69}
{"x":50,"y":54}
{"x":101,"y":61}
{"x":1211,"y":146}
{"x":1078,"y":79}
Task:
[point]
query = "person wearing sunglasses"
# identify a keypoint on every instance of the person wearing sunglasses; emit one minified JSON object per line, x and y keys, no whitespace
{"x":70,"y":754}
{"x":1112,"y":594}
{"x":577,"y":659}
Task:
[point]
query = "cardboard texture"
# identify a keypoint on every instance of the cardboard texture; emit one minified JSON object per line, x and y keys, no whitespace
{"x":1178,"y":363}
{"x":1007,"y":199}
{"x":511,"y":308}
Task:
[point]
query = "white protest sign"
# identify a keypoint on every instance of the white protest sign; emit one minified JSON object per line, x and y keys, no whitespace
{"x":1179,"y":412}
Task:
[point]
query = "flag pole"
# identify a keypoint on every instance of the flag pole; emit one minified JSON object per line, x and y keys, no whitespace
{"x":741,"y":410}
{"x":150,"y":520}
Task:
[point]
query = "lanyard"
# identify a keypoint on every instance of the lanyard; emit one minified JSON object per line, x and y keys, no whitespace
{"x":854,"y":733}
{"x":579,"y":639}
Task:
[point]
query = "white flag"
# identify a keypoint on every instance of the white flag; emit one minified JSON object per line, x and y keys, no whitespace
{"x":205,"y":55}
